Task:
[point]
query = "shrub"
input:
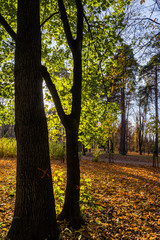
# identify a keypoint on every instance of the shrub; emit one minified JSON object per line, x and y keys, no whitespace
{"x":8,"y":147}
{"x":57,"y":150}
{"x":96,"y":155}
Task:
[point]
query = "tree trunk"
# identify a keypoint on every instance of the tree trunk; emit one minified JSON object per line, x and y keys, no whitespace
{"x":71,"y":209}
{"x":123,"y":124}
{"x":140,"y":142}
{"x":83,"y":150}
{"x":155,"y":159}
{"x":140,"y":132}
{"x":34,"y":214}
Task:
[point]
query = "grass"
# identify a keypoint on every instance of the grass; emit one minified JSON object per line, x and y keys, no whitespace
{"x":118,"y":201}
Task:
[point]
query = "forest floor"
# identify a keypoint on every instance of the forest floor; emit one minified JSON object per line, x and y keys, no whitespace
{"x":118,"y":200}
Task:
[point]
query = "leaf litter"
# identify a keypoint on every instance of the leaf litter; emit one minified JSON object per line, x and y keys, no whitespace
{"x":118,"y":201}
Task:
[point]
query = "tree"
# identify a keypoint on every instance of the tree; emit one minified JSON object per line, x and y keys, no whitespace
{"x":34,"y":214}
{"x":150,"y":74}
{"x":6,"y":80}
{"x":142,"y":28}
{"x":98,"y":122}
{"x":72,"y":14}
{"x":123,"y":67}
{"x":71,"y":208}
{"x":140,"y":129}
{"x":100,"y":23}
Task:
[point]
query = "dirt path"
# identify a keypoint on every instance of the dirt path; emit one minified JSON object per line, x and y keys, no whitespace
{"x":128,"y":159}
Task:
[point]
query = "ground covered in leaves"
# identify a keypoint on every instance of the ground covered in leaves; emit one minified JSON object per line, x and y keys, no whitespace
{"x":118,"y":201}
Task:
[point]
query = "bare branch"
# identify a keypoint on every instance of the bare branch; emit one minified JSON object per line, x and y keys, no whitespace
{"x":8,"y":28}
{"x":158,"y":3}
{"x":147,"y":44}
{"x":137,"y":19}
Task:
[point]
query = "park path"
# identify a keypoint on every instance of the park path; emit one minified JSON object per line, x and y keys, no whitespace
{"x":123,"y":160}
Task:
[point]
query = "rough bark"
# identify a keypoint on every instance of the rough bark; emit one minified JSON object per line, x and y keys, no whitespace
{"x":71,"y":208}
{"x":34,"y":214}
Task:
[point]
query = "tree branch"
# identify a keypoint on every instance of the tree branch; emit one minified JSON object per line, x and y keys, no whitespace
{"x":66,"y":26}
{"x":150,"y":19}
{"x":8,"y":28}
{"x":90,"y":31}
{"x":89,"y":27}
{"x":79,"y":21}
{"x":45,"y":74}
{"x":48,"y":18}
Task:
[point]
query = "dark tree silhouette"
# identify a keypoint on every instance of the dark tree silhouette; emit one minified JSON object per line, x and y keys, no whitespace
{"x":71,"y":208}
{"x":34,"y":214}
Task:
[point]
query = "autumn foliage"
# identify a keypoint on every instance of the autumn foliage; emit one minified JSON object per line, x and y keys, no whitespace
{"x":118,"y":201}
